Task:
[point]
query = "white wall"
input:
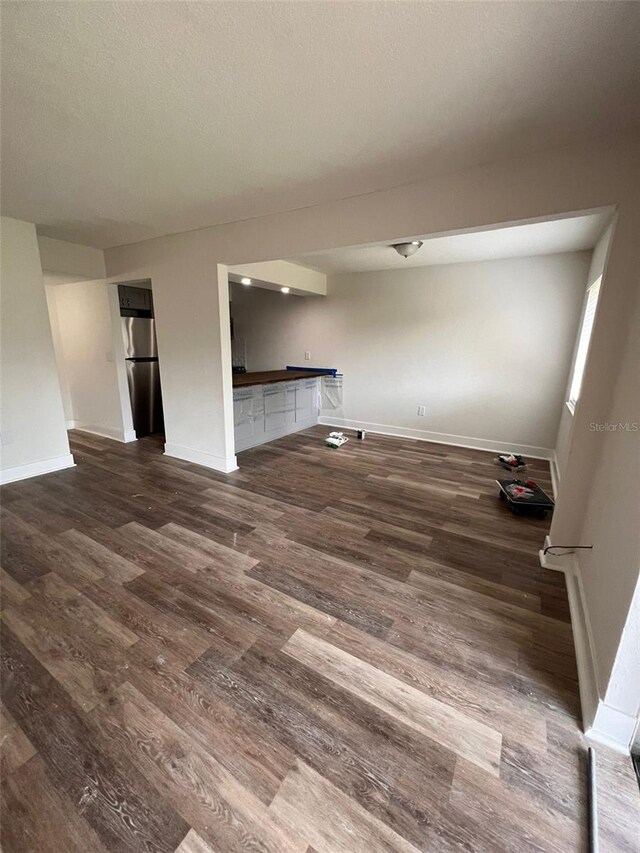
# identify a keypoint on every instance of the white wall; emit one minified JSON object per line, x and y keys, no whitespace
{"x":485,"y":347}
{"x":90,"y":355}
{"x":610,"y":572}
{"x":183,"y":267}
{"x":34,"y":439}
{"x":58,"y":348}
{"x":71,"y":260}
{"x":192,"y":298}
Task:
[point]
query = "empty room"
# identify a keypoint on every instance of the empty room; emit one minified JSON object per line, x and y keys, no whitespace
{"x":320,"y":426}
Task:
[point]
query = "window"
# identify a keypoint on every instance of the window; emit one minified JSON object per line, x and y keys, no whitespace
{"x":583,"y":344}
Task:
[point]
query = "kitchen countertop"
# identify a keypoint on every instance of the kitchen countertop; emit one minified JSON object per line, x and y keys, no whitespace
{"x":265,"y":377}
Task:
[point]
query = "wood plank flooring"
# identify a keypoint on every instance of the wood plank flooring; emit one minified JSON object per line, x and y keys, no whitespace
{"x":326,"y":651}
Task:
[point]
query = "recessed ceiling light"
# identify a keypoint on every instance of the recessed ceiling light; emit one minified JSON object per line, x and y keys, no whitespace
{"x":284,"y":289}
{"x":245,"y":280}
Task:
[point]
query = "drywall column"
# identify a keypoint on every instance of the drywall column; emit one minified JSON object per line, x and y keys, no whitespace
{"x":191,"y":302}
{"x":613,"y":325}
{"x":599,"y":496}
{"x":610,"y":572}
{"x":34,"y":437}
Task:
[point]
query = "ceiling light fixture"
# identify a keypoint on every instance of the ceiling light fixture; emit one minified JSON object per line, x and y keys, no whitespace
{"x":407,"y":249}
{"x":284,"y":289}
{"x":245,"y":280}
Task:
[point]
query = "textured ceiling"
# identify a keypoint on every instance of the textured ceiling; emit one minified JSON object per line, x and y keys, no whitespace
{"x":515,"y":241}
{"x":126,"y":120}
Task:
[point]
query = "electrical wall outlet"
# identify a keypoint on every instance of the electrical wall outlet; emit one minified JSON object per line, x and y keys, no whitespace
{"x":421,"y":411}
{"x":307,"y":355}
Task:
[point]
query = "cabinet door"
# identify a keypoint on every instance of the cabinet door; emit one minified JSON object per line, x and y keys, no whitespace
{"x":243,"y":415}
{"x":307,"y":400}
{"x":275,"y":408}
{"x":135,"y":297}
{"x":290,"y":405}
{"x":305,"y":392}
{"x":138,"y":297}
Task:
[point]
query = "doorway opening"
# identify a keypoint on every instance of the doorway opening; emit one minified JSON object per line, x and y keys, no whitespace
{"x":106,"y":355}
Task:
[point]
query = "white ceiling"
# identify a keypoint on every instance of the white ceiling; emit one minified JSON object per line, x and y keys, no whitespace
{"x":514,"y":241}
{"x":127,"y":120}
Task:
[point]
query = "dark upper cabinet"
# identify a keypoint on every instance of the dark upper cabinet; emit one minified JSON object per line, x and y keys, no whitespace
{"x":138,"y":298}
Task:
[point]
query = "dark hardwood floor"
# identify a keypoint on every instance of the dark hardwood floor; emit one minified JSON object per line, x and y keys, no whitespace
{"x":351,"y":650}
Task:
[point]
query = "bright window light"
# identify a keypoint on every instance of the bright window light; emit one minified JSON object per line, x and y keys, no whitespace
{"x":583,"y":343}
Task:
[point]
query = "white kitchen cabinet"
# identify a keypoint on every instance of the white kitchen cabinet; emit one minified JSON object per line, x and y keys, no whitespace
{"x":306,"y":391}
{"x":265,"y":412}
{"x":243,"y":414}
{"x":279,"y":407}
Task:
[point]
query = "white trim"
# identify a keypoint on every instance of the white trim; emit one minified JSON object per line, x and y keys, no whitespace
{"x":555,"y":474}
{"x":36,"y":469}
{"x":222,"y":275}
{"x":601,"y":722}
{"x":571,"y":406}
{"x":613,"y":728}
{"x":546,"y":453}
{"x":119,"y":362}
{"x":583,"y":643}
{"x":105,"y":432}
{"x":208,"y":460}
{"x":582,"y":636}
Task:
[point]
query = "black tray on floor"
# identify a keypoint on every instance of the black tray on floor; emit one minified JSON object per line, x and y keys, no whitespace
{"x":539,"y":504}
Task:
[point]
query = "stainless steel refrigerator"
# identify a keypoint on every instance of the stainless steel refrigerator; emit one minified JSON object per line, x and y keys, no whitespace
{"x":143,"y":374}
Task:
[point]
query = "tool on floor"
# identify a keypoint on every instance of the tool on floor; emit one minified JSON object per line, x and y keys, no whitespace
{"x":335,"y":440}
{"x":525,"y":497}
{"x":361,"y":434}
{"x":511,"y":461}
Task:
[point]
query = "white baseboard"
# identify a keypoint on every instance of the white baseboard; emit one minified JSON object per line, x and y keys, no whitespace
{"x":546,"y":453}
{"x":208,"y":460}
{"x":613,"y":728}
{"x":125,"y":436}
{"x":263,"y":437}
{"x":36,"y":469}
{"x":601,"y":722}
